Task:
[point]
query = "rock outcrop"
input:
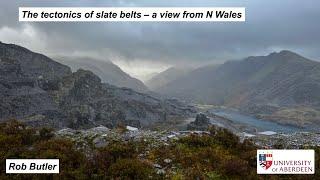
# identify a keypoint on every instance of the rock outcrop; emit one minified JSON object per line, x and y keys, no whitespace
{"x":202,"y":122}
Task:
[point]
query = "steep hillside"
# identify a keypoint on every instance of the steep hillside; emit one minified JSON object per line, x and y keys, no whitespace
{"x":106,"y":70}
{"x":165,"y":77}
{"x":42,"y":92}
{"x":25,"y":78}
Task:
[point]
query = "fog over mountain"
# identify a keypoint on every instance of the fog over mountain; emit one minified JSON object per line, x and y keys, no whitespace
{"x":270,"y":26}
{"x":283,"y":78}
{"x":276,"y":86}
{"x":106,"y":70}
{"x":163,"y":78}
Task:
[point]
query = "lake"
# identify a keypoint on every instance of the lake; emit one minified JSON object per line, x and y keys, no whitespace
{"x":261,"y":125}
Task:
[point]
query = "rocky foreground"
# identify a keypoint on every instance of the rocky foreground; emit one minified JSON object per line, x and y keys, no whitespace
{"x":101,"y":136}
{"x":288,"y":141}
{"x":127,"y":152}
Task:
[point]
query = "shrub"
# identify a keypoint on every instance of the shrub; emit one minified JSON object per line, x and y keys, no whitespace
{"x":130,"y":169}
{"x":224,"y":137}
{"x":197,"y":141}
{"x":71,"y":160}
{"x":46,"y":133}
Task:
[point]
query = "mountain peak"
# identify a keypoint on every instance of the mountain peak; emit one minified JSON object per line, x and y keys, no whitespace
{"x":285,"y":54}
{"x":14,"y":47}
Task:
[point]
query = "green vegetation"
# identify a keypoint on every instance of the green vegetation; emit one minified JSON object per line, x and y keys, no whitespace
{"x":217,"y":155}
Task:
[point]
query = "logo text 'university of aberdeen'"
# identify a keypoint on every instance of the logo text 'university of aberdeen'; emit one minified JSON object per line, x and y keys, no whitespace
{"x":265,"y":160}
{"x":285,"y":161}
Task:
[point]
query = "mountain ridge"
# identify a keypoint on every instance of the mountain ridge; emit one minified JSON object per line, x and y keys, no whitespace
{"x":278,"y":83}
{"x":166,"y":76}
{"x":250,"y":70}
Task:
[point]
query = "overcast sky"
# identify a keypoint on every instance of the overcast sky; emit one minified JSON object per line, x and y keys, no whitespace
{"x":140,"y":48}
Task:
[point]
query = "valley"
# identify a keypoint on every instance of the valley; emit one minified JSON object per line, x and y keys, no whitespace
{"x":81,"y":100}
{"x":282,"y":87}
{"x":82,"y":118}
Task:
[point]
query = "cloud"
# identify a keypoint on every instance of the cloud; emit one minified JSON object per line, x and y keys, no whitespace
{"x":26,"y":35}
{"x":270,"y":25}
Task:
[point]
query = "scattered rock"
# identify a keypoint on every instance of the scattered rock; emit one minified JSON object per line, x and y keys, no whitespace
{"x":100,"y":141}
{"x":267,"y":133}
{"x":158,"y":166}
{"x":130,"y":128}
{"x":161,"y":171}
{"x":167,"y":161}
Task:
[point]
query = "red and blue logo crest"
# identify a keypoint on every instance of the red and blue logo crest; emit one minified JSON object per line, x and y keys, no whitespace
{"x":265,"y":160}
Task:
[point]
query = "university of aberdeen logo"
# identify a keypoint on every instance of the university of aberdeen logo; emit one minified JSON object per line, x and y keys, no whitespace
{"x":265,"y":160}
{"x":285,"y":161}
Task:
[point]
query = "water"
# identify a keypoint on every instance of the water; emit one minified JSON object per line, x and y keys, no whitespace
{"x":261,"y":125}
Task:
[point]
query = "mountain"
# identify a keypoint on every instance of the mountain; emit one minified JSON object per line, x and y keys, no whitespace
{"x":41,"y":92}
{"x":106,"y":70}
{"x":87,"y":102}
{"x":264,"y":85}
{"x":189,"y":86}
{"x":163,"y":78}
{"x":24,"y":78}
{"x":149,"y":76}
{"x":283,"y":78}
